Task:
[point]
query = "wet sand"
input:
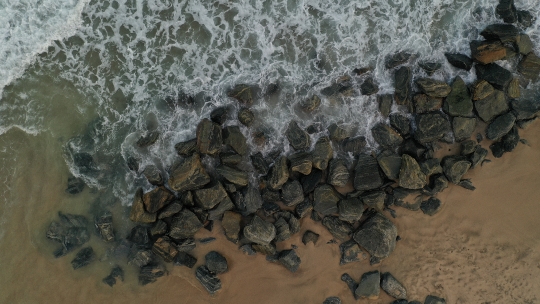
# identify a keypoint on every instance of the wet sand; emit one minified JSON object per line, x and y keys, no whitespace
{"x":483,"y":247}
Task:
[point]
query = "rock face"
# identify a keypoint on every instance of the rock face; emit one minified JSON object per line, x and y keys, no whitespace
{"x":84,"y":257}
{"x":491,"y":105}
{"x":208,"y":279}
{"x":322,"y":153}
{"x":369,"y":286}
{"x":500,"y":126}
{"x":460,"y":61}
{"x":289,"y":259}
{"x":233,"y":175}
{"x":189,"y":175}
{"x":209,"y":137}
{"x":431,"y":206}
{"x":184,"y":225}
{"x":377,"y":235}
{"x":246,"y":117}
{"x":279,"y":173}
{"x":186,"y":148}
{"x":463,"y":127}
{"x":338,"y":174}
{"x":298,"y":138}
{"x":403,"y":87}
{"x":431,"y":127}
{"x":153,"y":175}
{"x":458,"y":102}
{"x":138,"y":211}
{"x":410,"y":174}
{"x":385,"y":136}
{"x":156,"y":199}
{"x":401,"y":123}
{"x":339,"y":229}
{"x":259,"y":231}
{"x":392,"y":286}
{"x":216,"y":262}
{"x":366,"y":173}
{"x":325,"y":200}
{"x":433,"y":88}
{"x":529,"y":67}
{"x":455,"y":167}
{"x":496,"y":75}
{"x":385,"y":104}
{"x":242,"y":93}
{"x":233,"y":137}
{"x":487,"y":51}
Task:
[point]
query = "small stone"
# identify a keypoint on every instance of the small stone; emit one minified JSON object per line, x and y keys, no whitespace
{"x":351,"y":283}
{"x":325,"y":200}
{"x":525,"y":18}
{"x":410,"y":174}
{"x":216,"y":262}
{"x":186,"y":245}
{"x":188,"y":175}
{"x":279,"y":174}
{"x":219,"y":115}
{"x":467,"y":184}
{"x":159,"y":228}
{"x":208,"y":279}
{"x":350,"y":210}
{"x":259,"y":231}
{"x":142,"y":258}
{"x":455,"y":167}
{"x":289,"y":259}
{"x":310,"y":236}
{"x":460,"y":61}
{"x":298,"y":138}
{"x":150,"y":273}
{"x":339,"y":229}
{"x":377,"y":235}
{"x":231,"y":225}
{"x":431,"y":206}
{"x":369,"y":286}
{"x":392,"y":286}
{"x":434,"y":300}
{"x":463,"y":127}
{"x":478,"y":157}
{"x":500,"y":126}
{"x":185,"y":259}
{"x":322,"y":153}
{"x":468,"y":147}
{"x":332,"y":300}
{"x":282,"y":230}
{"x":116,"y":272}
{"x":184,"y":225}
{"x":84,"y":257}
{"x":510,"y":140}
{"x":439,"y":184}
{"x":246,"y":117}
{"x":304,"y":208}
{"x":367,"y":175}
{"x":385,"y":104}
{"x":433,"y":88}
{"x":252,"y":200}
{"x":292,"y":193}
{"x":507,"y":11}
{"x":374,"y":199}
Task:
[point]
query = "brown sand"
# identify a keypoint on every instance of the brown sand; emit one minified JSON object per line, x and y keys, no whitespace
{"x":483,"y":247}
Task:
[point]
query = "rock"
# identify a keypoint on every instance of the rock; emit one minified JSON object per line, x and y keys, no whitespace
{"x":410,"y":174}
{"x":150,"y":273}
{"x":233,"y":137}
{"x":74,"y":185}
{"x":478,"y":157}
{"x":385,"y":104}
{"x":332,"y":300}
{"x":153,"y":175}
{"x":138,"y":211}
{"x":338,"y":173}
{"x":403,"y":87}
{"x":310,"y":236}
{"x":468,"y":147}
{"x":431,"y":166}
{"x":148,"y":139}
{"x":116,"y":272}
{"x":322,"y":153}
{"x":401,"y":123}
{"x":164,"y":248}
{"x":500,"y":126}
{"x":369,"y":286}
{"x":431,"y":127}
{"x":231,"y":225}
{"x":282,"y":230}
{"x":219,"y":115}
{"x":431,"y":206}
{"x":186,"y":148}
{"x":497,"y":149}
{"x":188,"y":175}
{"x":507,"y":11}
{"x":325,"y":200}
{"x":349,"y":252}
{"x":170,"y":210}
{"x":467,"y":184}
{"x":298,"y":138}
{"x":463,"y":127}
{"x":339,"y":229}
{"x":496,"y":75}
{"x":503,"y":32}
{"x":413,"y":148}
{"x":311,"y":104}
{"x":397,"y":59}
{"x":337,"y":133}
{"x":140,"y":236}
{"x":301,"y":162}
{"x":208,"y":198}
{"x":185,"y":259}
{"x":259,"y":231}
{"x":434,"y":300}
{"x":525,"y":109}
{"x":252,"y":200}
{"x":377,"y":235}
{"x":460,"y":61}
{"x":487,"y":51}
{"x":246,"y":117}
{"x":304,"y":208}
{"x":424,"y":103}
{"x":243,"y":94}
{"x":525,"y":18}
{"x":529,"y":67}
{"x":311,"y":181}
{"x":186,"y":245}
{"x":491,"y":106}
{"x":430,"y":67}
{"x":268,"y":250}
{"x":524,"y":44}
{"x":433,"y":88}
{"x":279,"y":174}
{"x":259,"y":163}
{"x":85,"y":162}
{"x":367,"y":175}
{"x":439,"y":184}
{"x":209,"y":137}
{"x":208,"y":279}
{"x":84,"y":257}
{"x":230,"y":158}
{"x":513,"y":91}
{"x":369,"y":87}
{"x":216,"y":262}
{"x":455,"y":167}
{"x":374,"y":199}
{"x":289,"y":259}
{"x":350,"y":210}
{"x":390,"y":164}
{"x":142,"y":258}
{"x":354,"y":145}
{"x":351,"y":283}
{"x":292,"y":193}
{"x":233,"y":175}
{"x":156,"y":199}
{"x":482,"y":89}
{"x":159,"y":228}
{"x":184,"y":225}
{"x":104,"y":226}
{"x":510,"y":140}
{"x":392,"y":286}
{"x":524,"y":124}
{"x":458,"y":102}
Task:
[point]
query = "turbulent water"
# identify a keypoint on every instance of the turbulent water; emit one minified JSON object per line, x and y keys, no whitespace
{"x":115,"y":62}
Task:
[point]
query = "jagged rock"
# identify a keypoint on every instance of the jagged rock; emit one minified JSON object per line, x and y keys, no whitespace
{"x":188,"y":175}
{"x":431,"y":166}
{"x":84,"y":257}
{"x":184,"y":225}
{"x":468,"y":147}
{"x":170,"y":210}
{"x":529,"y":67}
{"x":497,"y":149}
{"x":351,"y":283}
{"x":311,"y":104}
{"x":259,"y":231}
{"x":431,"y":206}
{"x":338,"y":173}
{"x":310,"y":236}
{"x":332,"y":300}
{"x":510,"y":140}
{"x":104,"y":226}
{"x":186,"y":148}
{"x":433,"y":88}
{"x":392,"y":286}
{"x":208,"y":198}
{"x":116,"y":272}
{"x":354,"y":145}
{"x":301,"y":162}
{"x":259,"y":163}
{"x":434,"y":300}
{"x":233,"y":137}
{"x":460,"y":61}
{"x":208,"y":279}
{"x":159,"y":228}
{"x":410,"y":174}
{"x":338,"y":228}
{"x":233,"y":175}
{"x":369,"y":87}
{"x":150,"y":273}
{"x":74,"y":185}
{"x":148,"y":139}
{"x":367,"y":175}
{"x":500,"y":126}
{"x":298,"y":138}
{"x":289,"y":259}
{"x":507,"y":11}
{"x":153,"y":175}
{"x":349,"y":252}
{"x":467,"y":184}
{"x":524,"y":44}
{"x":385,"y":104}
{"x":142,"y":258}
{"x":139,"y":235}
{"x":268,"y":250}
{"x":282,"y":230}
{"x":413,"y":148}
{"x":156,"y":199}
{"x":431,"y":127}
{"x":242,"y":93}
{"x":439,"y":184}
{"x":397,"y":59}
{"x":487,"y":51}
{"x":337,"y":133}
{"x":185,"y":259}
{"x":292,"y":193}
{"x":209,"y":137}
{"x":325,"y":199}
{"x":311,"y":181}
{"x":304,"y":208}
{"x":458,"y":102}
{"x":491,"y":106}
{"x":138,"y":211}
{"x":425,"y":104}
{"x":503,"y":32}
{"x":401,"y":123}
{"x":231,"y":225}
{"x":322,"y":153}
{"x":374,"y":199}
{"x":403,"y":87}
{"x":463,"y":127}
{"x":219,"y":115}
{"x":455,"y":167}
{"x":390,"y":164}
{"x":525,"y":18}
{"x":186,"y":245}
{"x":478,"y":157}
{"x":164,"y":248}
{"x":279,"y":174}
{"x":246,"y":117}
{"x":525,"y":109}
{"x":377,"y":235}
{"x":496,"y":75}
{"x":482,"y":89}
{"x":252,"y":200}
{"x":230,"y":158}
{"x":350,"y":210}
{"x":513,"y":91}
{"x":216,"y":262}
{"x":369,"y":286}
{"x":225,"y":205}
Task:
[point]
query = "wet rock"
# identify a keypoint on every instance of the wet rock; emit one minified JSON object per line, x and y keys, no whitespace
{"x":392,"y":286}
{"x":338,"y":228}
{"x":410,"y":174}
{"x":294,"y":223}
{"x":497,"y":149}
{"x":242,"y":93}
{"x":165,"y":248}
{"x":385,"y":104}
{"x":430,"y":67}
{"x":431,"y":206}
{"x":496,"y":75}
{"x":159,"y":228}
{"x":503,"y":32}
{"x":332,"y":300}
{"x":459,"y":61}
{"x":433,"y":88}
{"x":311,"y":104}
{"x":369,"y":286}
{"x":513,"y":91}
{"x":338,"y":173}
{"x":186,"y":148}
{"x":311,"y":181}
{"x":216,"y":262}
{"x":478,"y":157}
{"x":292,"y":193}
{"x":487,"y":51}
{"x":259,"y":163}
{"x":185,"y":259}
{"x":150,"y":273}
{"x":377,"y":235}
{"x":401,"y":123}
{"x":525,"y":18}
{"x":301,"y":162}
{"x":304,"y":208}
{"x":233,"y":175}
{"x":233,"y":137}
{"x":529,"y":67}
{"x":369,"y":87}
{"x":298,"y":138}
{"x":500,"y":126}
{"x":397,"y":59}
{"x":279,"y":174}
{"x":413,"y":148}
{"x":468,"y":147}
{"x":116,"y":273}
{"x":138,"y":210}
{"x":246,"y":117}
{"x":156,"y":199}
{"x":439,"y":184}
{"x":403,"y":87}
{"x":374,"y":199}
{"x":310,"y":236}
{"x":225,"y":205}
{"x":188,"y":175}
{"x":209,"y":137}
{"x":463,"y":127}
{"x":219,"y":115}
{"x":148,"y":139}
{"x":349,"y":252}
{"x":507,"y":11}
{"x":85,"y":162}
{"x":390,"y":164}
{"x":467,"y":184}
{"x":84,"y":257}
{"x":269,"y":250}
{"x":259,"y":231}
{"x":424,"y":103}
{"x":524,"y":44}
{"x":208,"y":198}
{"x":153,"y":175}
{"x":184,"y":225}
{"x":336,"y":132}
{"x":104,"y":226}
{"x":133,"y":164}
{"x":139,"y":235}
{"x":350,"y":210}
{"x":455,"y":167}
{"x":354,"y":145}
{"x":458,"y":102}
{"x":170,"y":210}
{"x":325,"y":200}
{"x":431,"y":127}
{"x":74,"y":185}
{"x":434,"y":300}
{"x":367,"y":175}
{"x":491,"y":106}
{"x":482,"y":89}
{"x":322,"y":153}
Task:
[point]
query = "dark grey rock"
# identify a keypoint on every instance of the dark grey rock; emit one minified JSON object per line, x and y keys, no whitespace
{"x":259,"y":231}
{"x":310,"y":236}
{"x":425,"y":104}
{"x":85,"y":162}
{"x":216,"y":262}
{"x":430,"y":67}
{"x":219,"y":115}
{"x":268,"y":250}
{"x":431,"y":127}
{"x":500,"y":126}
{"x":525,"y":18}
{"x":142,"y":258}
{"x":354,"y":145}
{"x":311,"y":181}
{"x":233,"y":175}
{"x":159,"y":228}
{"x":248,"y":249}
{"x":186,"y":148}
{"x":496,"y":75}
{"x":289,"y":259}
{"x":252,"y":200}
{"x":148,"y":139}
{"x":390,"y":165}
{"x":208,"y":198}
{"x":225,"y":205}
{"x":242,"y":93}
{"x":292,"y":193}
{"x":392,"y":286}
{"x":410,"y":174}
{"x":325,"y":200}
{"x":338,"y":228}
{"x":84,"y":257}
{"x":482,"y":89}
{"x":185,"y":259}
{"x":434,"y":300}
{"x":385,"y":136}
{"x":369,"y":87}
{"x":497,"y":149}
{"x":486,"y":52}
{"x":170,"y":210}
{"x":246,"y":117}
{"x":279,"y":174}
{"x":208,"y":279}
{"x":397,"y":59}
{"x":165,"y":248}
{"x":463,"y":127}
{"x":468,"y":147}
{"x":337,"y":133}
{"x":459,"y":101}
{"x":524,"y":44}
{"x":467,"y":184}
{"x":385,"y":104}
{"x":209,"y":137}
{"x":491,"y":106}
{"x":439,"y":184}
{"x":433,"y":88}
{"x":282,"y":230}
{"x":332,"y":300}
{"x":478,"y":157}
{"x":230,"y":158}
{"x":322,"y":153}
{"x":377,"y":235}
{"x":460,"y":61}
{"x":351,"y":283}
{"x":139,"y":235}
{"x":259,"y":163}
{"x":431,"y":206}
{"x":104,"y":225}
{"x":74,"y":185}
{"x":153,"y":175}
{"x":311,"y":104}
{"x":349,"y":252}
{"x":431,"y":166}
{"x":233,"y":137}
{"x":298,"y":138}
{"x":184,"y":225}
{"x":401,"y":123}
{"x":502,"y":32}
{"x":71,"y":232}
{"x":188,"y":175}
{"x":510,"y":140}
{"x":507,"y":11}
{"x":374,"y":199}
{"x":403,"y":86}
{"x":455,"y":167}
{"x":350,"y":209}
{"x":150,"y":273}
{"x":116,"y":272}
{"x":156,"y":199}
{"x":304,"y":208}
{"x":369,"y":286}
{"x":525,"y":108}
{"x":413,"y":148}
{"x":367,"y":175}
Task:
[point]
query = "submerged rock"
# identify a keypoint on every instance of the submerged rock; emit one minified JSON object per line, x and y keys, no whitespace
{"x":74,"y":185}
{"x":116,"y":273}
{"x":354,"y":145}
{"x":507,"y":11}
{"x":148,"y":139}
{"x":188,"y":175}
{"x":150,"y":273}
{"x":369,"y":87}
{"x":529,"y":67}
{"x":463,"y":127}
{"x":332,"y":300}
{"x":503,"y":32}
{"x":431,"y":206}
{"x":310,"y":104}
{"x":104,"y":226}
{"x":397,"y":59}
{"x":138,"y":211}
{"x":377,"y":235}
{"x":246,"y":117}
{"x":84,"y":257}
{"x":430,"y":67}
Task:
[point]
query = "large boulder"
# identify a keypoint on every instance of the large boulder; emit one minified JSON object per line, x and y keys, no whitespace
{"x":458,"y":102}
{"x":260,"y":231}
{"x":385,"y":136}
{"x":186,"y":148}
{"x":252,"y":200}
{"x":377,"y":235}
{"x":431,"y":127}
{"x":84,"y":257}
{"x":403,"y":87}
{"x":529,"y":67}
{"x":433,"y":88}
{"x":153,"y":175}
{"x":493,"y":73}
{"x":233,"y":137}
{"x":410,"y":174}
{"x":482,"y":89}
{"x":338,"y":174}
{"x":491,"y":105}
{"x":400,"y":123}
{"x":325,"y":200}
{"x":350,"y":209}
{"x":500,"y":126}
{"x":487,"y":51}
{"x":188,"y":175}
{"x":71,"y":232}
{"x":353,"y":145}
{"x":390,"y":164}
{"x":385,"y":104}
{"x":184,"y":225}
{"x":366,"y":173}
{"x":298,"y":138}
{"x":209,"y":137}
{"x":424,"y":103}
